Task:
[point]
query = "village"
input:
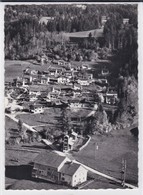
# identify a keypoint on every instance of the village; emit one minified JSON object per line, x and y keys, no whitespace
{"x":51,"y":102}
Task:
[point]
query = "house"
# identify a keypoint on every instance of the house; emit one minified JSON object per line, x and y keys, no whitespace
{"x":74,"y":135}
{"x":56,"y":89}
{"x":125,"y":21}
{"x":103,"y":21}
{"x":75,"y":103}
{"x":84,"y":82}
{"x":105,"y":72}
{"x":27,"y":80}
{"x":52,"y":96}
{"x":53,"y":80}
{"x":36,"y":108}
{"x":73,"y":174}
{"x":33,"y":98}
{"x":66,"y":91}
{"x":44,"y":80}
{"x":55,"y":71}
{"x":18,"y":82}
{"x":89,"y":76}
{"x":111,"y":96}
{"x":63,"y":80}
{"x":77,"y":86}
{"x":45,"y":20}
{"x":68,"y":74}
{"x":61,"y":63}
{"x":47,"y":166}
{"x":58,"y":169}
{"x":84,"y":66}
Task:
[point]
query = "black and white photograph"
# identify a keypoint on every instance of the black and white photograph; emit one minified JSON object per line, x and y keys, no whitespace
{"x":71,"y":96}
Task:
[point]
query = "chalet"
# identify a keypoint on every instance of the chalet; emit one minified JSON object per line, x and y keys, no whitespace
{"x":45,"y":20}
{"x":75,"y":103}
{"x":66,"y":90}
{"x":76,"y":93}
{"x":55,"y":71}
{"x":34,"y":72}
{"x":79,"y":37}
{"x":53,"y":80}
{"x":61,"y":63}
{"x":27,"y":71}
{"x":89,"y":76}
{"x":34,"y":92}
{"x":18,"y":82}
{"x":44,"y":80}
{"x":33,"y":98}
{"x":53,"y":96}
{"x":36,"y":108}
{"x":73,"y":174}
{"x":56,"y":89}
{"x":68,"y":143}
{"x":125,"y":21}
{"x":77,"y":86}
{"x":27,"y":80}
{"x":47,"y":166}
{"x":63,"y":80}
{"x":68,"y":74}
{"x":58,"y":169}
{"x":103,"y":21}
{"x":83,"y":82}
{"x":84,"y":66}
{"x":35,"y":80}
{"x":111,"y":96}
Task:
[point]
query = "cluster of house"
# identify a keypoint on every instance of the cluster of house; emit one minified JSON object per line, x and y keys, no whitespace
{"x":58,"y":169}
{"x":63,"y":85}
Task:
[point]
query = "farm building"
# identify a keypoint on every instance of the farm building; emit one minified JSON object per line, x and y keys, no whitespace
{"x":45,"y":20}
{"x":36,"y":108}
{"x":79,"y":37}
{"x":58,"y":169}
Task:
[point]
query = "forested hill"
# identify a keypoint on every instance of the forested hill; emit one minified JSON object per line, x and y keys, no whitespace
{"x":69,"y":18}
{"x":25,"y":35}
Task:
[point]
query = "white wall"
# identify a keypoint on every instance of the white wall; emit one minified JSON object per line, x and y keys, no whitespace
{"x":80,"y":176}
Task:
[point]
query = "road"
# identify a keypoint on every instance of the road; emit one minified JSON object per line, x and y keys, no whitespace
{"x":91,"y":169}
{"x":80,"y":157}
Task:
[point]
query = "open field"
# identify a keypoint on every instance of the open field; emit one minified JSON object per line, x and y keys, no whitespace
{"x":108,"y":157}
{"x":49,"y":117}
{"x":14,"y":68}
{"x":10,"y":124}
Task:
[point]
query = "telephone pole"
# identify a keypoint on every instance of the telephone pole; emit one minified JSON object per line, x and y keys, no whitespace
{"x":123,"y":172}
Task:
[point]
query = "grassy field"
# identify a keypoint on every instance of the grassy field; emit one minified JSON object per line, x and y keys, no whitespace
{"x":108,"y":157}
{"x":10,"y":124}
{"x":49,"y":117}
{"x":14,"y":68}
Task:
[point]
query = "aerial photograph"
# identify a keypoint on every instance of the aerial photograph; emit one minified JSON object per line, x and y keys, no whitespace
{"x":71,"y":96}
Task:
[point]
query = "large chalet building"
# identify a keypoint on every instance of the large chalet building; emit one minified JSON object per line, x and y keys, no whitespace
{"x":58,"y":169}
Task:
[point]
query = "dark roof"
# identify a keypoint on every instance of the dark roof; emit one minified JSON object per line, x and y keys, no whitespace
{"x":50,"y":159}
{"x":83,"y":34}
{"x":69,"y":168}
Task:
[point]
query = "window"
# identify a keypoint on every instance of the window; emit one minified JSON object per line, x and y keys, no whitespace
{"x":63,"y":178}
{"x":63,"y":174}
{"x":75,"y":175}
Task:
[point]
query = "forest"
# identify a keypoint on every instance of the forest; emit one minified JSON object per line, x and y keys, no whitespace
{"x":25,"y":35}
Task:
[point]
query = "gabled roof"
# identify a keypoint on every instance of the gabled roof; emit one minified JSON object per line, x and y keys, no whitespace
{"x":70,"y":168}
{"x":50,"y":159}
{"x":83,"y":34}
